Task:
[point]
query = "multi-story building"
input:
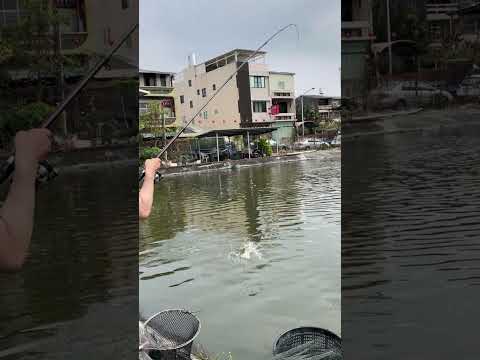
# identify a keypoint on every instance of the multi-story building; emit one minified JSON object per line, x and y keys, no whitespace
{"x":470,"y":23}
{"x":357,"y":36}
{"x":256,"y":96}
{"x":88,"y":32}
{"x":157,"y":87}
{"x":442,"y":19}
{"x":327,"y":108}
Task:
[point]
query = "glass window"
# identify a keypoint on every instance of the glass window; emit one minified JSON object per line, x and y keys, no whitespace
{"x":205,"y":115}
{"x":198,"y":91}
{"x":191,"y":104}
{"x":150,"y":79}
{"x":163,"y":80}
{"x":182,"y":99}
{"x":190,"y":83}
{"x":124,"y":4}
{"x":259,"y":106}
{"x":281,"y":85}
{"x":204,"y":92}
{"x":214,"y":87}
{"x":257,"y":81}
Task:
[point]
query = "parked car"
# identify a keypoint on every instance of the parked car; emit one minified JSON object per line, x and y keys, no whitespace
{"x":470,"y":86}
{"x":337,"y":140}
{"x":402,"y":95}
{"x":309,"y":144}
{"x":281,"y":146}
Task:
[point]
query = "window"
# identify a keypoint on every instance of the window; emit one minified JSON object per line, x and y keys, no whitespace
{"x":257,"y":81}
{"x":163,"y":80}
{"x":281,"y":85}
{"x":182,"y":99}
{"x":204,"y":92}
{"x":259,"y":106}
{"x":198,"y":91}
{"x":125,"y":4}
{"x":191,"y":104}
{"x":205,"y":115}
{"x":190,"y":83}
{"x":216,"y":111}
{"x":150,"y":79}
{"x":214,"y":87}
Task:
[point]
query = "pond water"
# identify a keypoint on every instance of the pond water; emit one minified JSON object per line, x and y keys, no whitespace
{"x":77,"y":296}
{"x":254,"y":252}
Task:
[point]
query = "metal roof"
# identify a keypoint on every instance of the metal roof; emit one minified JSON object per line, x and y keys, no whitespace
{"x":238,"y":131}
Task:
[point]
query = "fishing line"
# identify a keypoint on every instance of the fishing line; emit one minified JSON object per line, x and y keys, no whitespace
{"x":46,"y":172}
{"x":177,"y":135}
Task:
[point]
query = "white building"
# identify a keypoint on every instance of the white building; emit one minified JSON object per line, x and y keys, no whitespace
{"x":256,"y":96}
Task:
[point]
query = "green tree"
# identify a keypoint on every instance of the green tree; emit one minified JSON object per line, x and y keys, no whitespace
{"x":22,"y":117}
{"x":151,"y":120}
{"x":265,"y":147}
{"x":30,"y":44}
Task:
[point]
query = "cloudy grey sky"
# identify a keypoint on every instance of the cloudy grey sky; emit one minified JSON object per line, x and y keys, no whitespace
{"x":170,"y":30}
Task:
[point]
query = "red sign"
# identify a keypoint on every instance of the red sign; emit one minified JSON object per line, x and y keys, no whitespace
{"x":166,"y":103}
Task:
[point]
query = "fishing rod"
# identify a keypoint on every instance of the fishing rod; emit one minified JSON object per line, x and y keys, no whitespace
{"x":177,"y":135}
{"x":46,"y":171}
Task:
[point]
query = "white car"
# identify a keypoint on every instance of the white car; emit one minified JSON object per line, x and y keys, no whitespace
{"x":337,"y":140}
{"x":401,"y":95}
{"x":470,"y":86}
{"x":309,"y":144}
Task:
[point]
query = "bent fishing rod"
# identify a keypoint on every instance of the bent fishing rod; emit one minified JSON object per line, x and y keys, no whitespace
{"x":177,"y":135}
{"x":46,"y":171}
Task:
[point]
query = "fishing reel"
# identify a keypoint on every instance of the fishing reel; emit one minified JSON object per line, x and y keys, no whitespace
{"x":158,"y":176}
{"x":45,"y":172}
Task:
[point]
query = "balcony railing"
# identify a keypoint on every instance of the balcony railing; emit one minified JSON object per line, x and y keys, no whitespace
{"x":282,"y":94}
{"x":438,"y":12}
{"x":158,"y":124}
{"x":284,"y":116}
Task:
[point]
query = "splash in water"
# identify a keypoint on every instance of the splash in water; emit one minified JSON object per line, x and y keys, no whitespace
{"x":247,"y":251}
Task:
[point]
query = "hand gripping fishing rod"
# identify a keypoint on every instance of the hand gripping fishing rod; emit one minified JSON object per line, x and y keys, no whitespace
{"x":45,"y":168}
{"x":218,"y":91}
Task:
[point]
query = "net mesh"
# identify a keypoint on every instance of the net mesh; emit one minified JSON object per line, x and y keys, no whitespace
{"x":168,"y":335}
{"x":308,"y":343}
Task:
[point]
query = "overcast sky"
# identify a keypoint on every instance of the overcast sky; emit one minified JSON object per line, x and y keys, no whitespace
{"x":170,"y":30}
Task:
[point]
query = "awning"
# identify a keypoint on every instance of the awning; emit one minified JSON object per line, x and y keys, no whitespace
{"x":236,"y":132}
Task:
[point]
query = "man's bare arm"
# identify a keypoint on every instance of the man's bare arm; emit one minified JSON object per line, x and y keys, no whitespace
{"x":16,"y":223}
{"x":145,"y":195}
{"x":145,"y":198}
{"x":17,"y":212}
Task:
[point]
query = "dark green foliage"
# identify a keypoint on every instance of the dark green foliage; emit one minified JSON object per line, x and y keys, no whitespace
{"x":265,"y":147}
{"x":148,"y":153}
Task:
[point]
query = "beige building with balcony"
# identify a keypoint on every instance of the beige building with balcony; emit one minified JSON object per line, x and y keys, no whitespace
{"x":157,"y":87}
{"x":357,"y":37}
{"x":254,"y":97}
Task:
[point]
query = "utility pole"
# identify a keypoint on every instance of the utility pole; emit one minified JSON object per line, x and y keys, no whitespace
{"x":389,"y":39}
{"x":303,"y":120}
{"x":59,"y":66}
{"x":164,"y":132}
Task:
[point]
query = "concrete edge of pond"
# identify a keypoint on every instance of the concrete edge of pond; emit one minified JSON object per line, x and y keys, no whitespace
{"x":237,"y":164}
